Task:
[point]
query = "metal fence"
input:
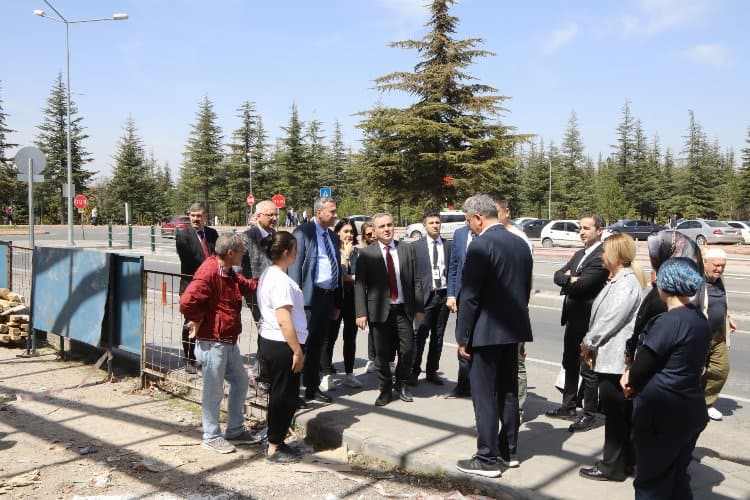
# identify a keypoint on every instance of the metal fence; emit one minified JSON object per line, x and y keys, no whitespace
{"x":20,"y":271}
{"x":163,"y":354}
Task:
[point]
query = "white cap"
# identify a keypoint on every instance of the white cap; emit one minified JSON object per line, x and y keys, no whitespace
{"x":715,"y":253}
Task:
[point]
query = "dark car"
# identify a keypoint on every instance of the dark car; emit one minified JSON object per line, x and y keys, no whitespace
{"x":638,"y":229}
{"x":533,"y":227}
{"x":179,"y":222}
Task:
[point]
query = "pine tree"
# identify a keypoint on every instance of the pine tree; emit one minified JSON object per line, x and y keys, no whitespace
{"x":298,"y":181}
{"x":695,"y":190}
{"x":52,"y":139}
{"x":11,"y":190}
{"x":609,"y":199}
{"x":573,"y":198}
{"x":744,"y":179}
{"x":240,"y":163}
{"x":317,"y":153}
{"x":132,"y":180}
{"x":624,"y":156}
{"x":450,"y":142}
{"x":338,"y":164}
{"x":535,"y":181}
{"x":202,"y":171}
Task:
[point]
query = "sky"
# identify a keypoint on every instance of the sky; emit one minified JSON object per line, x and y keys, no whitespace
{"x":551,"y":57}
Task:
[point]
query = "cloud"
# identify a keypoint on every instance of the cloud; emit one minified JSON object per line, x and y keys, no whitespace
{"x":708,"y":54}
{"x":657,"y":16}
{"x":560,"y":37}
{"x":407,"y":11}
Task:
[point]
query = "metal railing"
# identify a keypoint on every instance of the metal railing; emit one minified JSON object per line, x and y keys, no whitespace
{"x":20,"y":275}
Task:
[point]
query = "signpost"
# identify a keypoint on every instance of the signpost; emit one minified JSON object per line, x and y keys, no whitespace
{"x":30,"y":162}
{"x":325,"y":192}
{"x":250,"y":199}
{"x":81,"y":202}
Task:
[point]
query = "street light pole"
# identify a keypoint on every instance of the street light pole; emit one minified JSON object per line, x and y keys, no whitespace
{"x":62,"y":19}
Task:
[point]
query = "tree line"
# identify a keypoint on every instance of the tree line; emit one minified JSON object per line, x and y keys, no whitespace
{"x":451,"y":142}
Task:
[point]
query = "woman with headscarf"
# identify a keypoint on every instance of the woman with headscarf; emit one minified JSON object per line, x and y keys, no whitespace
{"x":669,"y":410}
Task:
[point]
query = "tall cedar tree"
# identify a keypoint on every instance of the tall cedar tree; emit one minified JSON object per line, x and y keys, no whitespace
{"x":451,"y":131}
{"x":240,"y":161}
{"x":574,"y":200}
{"x":52,"y":139}
{"x":11,"y":190}
{"x":744,"y":179}
{"x":202,"y":170}
{"x":338,"y":163}
{"x":317,"y":153}
{"x":534,"y":182}
{"x":299,"y":183}
{"x":695,"y":188}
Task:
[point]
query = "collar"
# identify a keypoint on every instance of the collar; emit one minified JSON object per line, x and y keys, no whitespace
{"x":318,"y":228}
{"x":439,"y":240}
{"x":593,"y":247}
{"x":263,"y":232}
{"x":392,"y":245}
{"x":491,"y":225}
{"x":621,"y":274}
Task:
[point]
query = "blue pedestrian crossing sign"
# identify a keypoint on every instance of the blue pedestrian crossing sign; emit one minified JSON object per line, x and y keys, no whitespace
{"x":325,"y":192}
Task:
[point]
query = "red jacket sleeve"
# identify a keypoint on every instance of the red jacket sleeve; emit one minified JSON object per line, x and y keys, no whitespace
{"x":247,"y":285}
{"x":194,"y":300}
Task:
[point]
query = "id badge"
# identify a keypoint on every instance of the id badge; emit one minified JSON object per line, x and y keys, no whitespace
{"x":436,"y":274}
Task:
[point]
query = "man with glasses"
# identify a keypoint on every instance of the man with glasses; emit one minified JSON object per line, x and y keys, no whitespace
{"x":254,"y":261}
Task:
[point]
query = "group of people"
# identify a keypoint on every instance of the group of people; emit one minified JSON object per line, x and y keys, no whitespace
{"x":642,"y":360}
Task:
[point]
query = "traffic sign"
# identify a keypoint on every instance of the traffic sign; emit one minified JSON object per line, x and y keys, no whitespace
{"x":250,"y":200}
{"x":325,"y":192}
{"x":80,"y":201}
{"x":38,"y":160}
{"x":278,"y":200}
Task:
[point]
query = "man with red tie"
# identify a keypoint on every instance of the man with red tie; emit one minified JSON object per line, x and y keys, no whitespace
{"x":194,"y":244}
{"x":388,"y":296}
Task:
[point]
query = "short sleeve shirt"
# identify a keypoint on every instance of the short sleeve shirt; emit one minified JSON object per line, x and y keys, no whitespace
{"x":276,"y":290}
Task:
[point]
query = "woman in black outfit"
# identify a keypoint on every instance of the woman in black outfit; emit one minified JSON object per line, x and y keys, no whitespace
{"x":669,"y":411}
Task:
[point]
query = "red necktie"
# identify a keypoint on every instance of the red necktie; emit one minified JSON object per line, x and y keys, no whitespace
{"x":391,"y":273}
{"x":203,"y":244}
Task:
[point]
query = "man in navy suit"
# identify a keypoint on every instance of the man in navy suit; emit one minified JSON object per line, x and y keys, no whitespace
{"x":462,"y":237}
{"x":493,"y":318}
{"x":317,"y":271}
{"x":433,"y":256}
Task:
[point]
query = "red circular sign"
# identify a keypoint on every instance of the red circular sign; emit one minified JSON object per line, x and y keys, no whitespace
{"x":250,"y":200}
{"x":80,"y":201}
{"x":278,"y":200}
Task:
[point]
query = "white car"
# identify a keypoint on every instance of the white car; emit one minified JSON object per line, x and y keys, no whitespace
{"x":744,"y":227}
{"x":449,"y":222}
{"x":561,"y":233}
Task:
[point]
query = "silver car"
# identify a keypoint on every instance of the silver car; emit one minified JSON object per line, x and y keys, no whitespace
{"x":450,"y":220}
{"x":709,"y":231}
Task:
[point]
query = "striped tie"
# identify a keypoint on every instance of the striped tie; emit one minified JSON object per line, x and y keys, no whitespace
{"x":332,"y":259}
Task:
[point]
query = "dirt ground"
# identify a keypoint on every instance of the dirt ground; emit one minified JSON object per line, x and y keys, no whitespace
{"x":146,"y":444}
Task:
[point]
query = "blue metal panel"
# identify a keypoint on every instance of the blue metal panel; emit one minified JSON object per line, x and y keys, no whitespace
{"x":69,"y":292}
{"x":127,"y":303}
{"x":4,"y":264}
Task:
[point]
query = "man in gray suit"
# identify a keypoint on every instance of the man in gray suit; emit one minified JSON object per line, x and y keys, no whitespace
{"x":388,"y":295}
{"x":254,"y":262}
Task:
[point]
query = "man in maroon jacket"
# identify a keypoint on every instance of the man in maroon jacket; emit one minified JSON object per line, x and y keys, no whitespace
{"x":212,"y":304}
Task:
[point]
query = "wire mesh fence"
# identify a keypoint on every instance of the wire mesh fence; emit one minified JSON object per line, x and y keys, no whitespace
{"x":21,"y":271}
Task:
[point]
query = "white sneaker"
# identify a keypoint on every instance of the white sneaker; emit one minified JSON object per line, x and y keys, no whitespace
{"x":714,"y":414}
{"x":326,"y":383}
{"x":370,"y":367}
{"x":351,"y":381}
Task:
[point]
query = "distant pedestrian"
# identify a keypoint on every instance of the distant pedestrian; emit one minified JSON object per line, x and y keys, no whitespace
{"x":94,"y":216}
{"x":304,"y":216}
{"x":9,"y":215}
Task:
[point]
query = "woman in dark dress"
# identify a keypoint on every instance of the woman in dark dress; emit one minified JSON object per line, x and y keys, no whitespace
{"x":669,"y":411}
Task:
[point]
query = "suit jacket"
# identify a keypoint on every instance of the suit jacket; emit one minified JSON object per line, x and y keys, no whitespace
{"x":254,"y":262}
{"x":495,"y":291}
{"x":371,"y":289}
{"x":458,"y":257}
{"x":191,"y":252}
{"x":423,"y":251}
{"x":579,"y":296}
{"x":305,"y":266}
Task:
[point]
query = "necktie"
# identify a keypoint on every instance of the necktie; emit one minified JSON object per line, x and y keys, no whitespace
{"x":392,"y":285}
{"x":435,"y":263}
{"x":332,"y":259}
{"x":202,"y":238}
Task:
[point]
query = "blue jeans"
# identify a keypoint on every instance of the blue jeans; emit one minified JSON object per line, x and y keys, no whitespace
{"x":221,"y":362}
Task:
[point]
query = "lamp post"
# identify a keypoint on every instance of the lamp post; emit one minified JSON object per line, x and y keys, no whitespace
{"x":61,"y":19}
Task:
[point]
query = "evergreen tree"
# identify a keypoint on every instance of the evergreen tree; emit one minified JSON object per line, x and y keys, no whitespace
{"x":450,"y":142}
{"x":132,"y":181}
{"x":52,"y":139}
{"x":743,"y":201}
{"x":609,"y":199}
{"x":625,"y":155}
{"x":11,"y":190}
{"x":240,"y":162}
{"x":535,"y":181}
{"x":574,"y":197}
{"x":317,"y":153}
{"x":299,"y":181}
{"x":202,"y":171}
{"x":4,"y":132}
{"x":338,"y":164}
{"x":695,"y":190}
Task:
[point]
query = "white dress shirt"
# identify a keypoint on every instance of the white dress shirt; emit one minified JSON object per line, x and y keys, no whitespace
{"x":441,"y":262}
{"x":394,"y":256}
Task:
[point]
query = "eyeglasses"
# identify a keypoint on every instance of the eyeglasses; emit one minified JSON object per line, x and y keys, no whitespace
{"x":270,"y":216}
{"x":369,"y":235}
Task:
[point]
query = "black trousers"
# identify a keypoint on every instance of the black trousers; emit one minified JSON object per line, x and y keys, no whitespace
{"x":494,"y":392}
{"x":618,"y":448}
{"x":284,"y":392}
{"x":188,"y":344}
{"x":396,"y":335}
{"x":663,"y":459}
{"x":435,"y":318}
{"x":350,"y":335}
{"x":318,"y":322}
{"x":574,"y":365}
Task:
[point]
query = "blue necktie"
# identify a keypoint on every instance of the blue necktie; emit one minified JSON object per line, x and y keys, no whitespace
{"x":332,"y":259}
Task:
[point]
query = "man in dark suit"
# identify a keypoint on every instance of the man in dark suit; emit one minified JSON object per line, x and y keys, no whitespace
{"x":317,"y":271}
{"x":580,"y":280}
{"x":462,"y":237}
{"x":388,"y":295}
{"x":493,"y":318}
{"x":433,"y":256}
{"x":194,"y":244}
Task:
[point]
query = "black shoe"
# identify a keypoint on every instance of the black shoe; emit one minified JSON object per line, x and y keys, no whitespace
{"x":190,"y":368}
{"x":404,"y":394}
{"x":596,"y":474}
{"x":413,"y":379}
{"x":479,"y":467}
{"x":434,"y":379}
{"x":281,"y":456}
{"x":457,"y":392}
{"x":583,"y":424}
{"x":318,"y":395}
{"x":384,"y":398}
{"x":564,"y":413}
{"x":509,"y":460}
{"x":301,"y":403}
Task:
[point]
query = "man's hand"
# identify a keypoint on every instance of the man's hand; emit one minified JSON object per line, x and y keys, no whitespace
{"x":193,"y":327}
{"x":463,"y":351}
{"x":574,"y":279}
{"x":298,"y":361}
{"x":732,"y":326}
{"x":418,"y":318}
{"x":451,"y":304}
{"x":588,"y":356}
{"x":361,"y":322}
{"x":336,"y":314}
{"x":625,"y":384}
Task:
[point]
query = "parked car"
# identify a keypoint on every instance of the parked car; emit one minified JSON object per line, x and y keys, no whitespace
{"x":449,"y":220}
{"x":743,"y":226}
{"x":519,"y":221}
{"x":709,"y":231}
{"x":533,"y":227}
{"x":359,"y":220}
{"x":560,"y":232}
{"x":638,"y":229}
{"x":179,"y":222}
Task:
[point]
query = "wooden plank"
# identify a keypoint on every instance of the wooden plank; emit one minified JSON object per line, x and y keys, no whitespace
{"x":3,"y":328}
{"x":25,"y":327}
{"x":18,"y":318}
